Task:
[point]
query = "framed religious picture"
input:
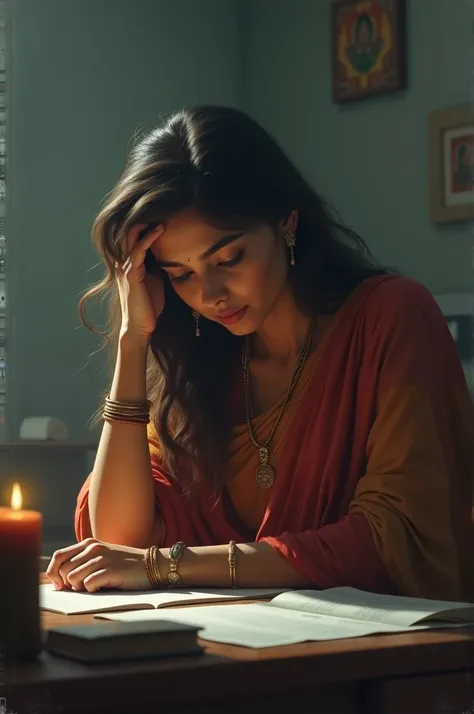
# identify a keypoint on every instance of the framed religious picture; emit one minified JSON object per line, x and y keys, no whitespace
{"x":451,"y":164}
{"x":368,"y":48}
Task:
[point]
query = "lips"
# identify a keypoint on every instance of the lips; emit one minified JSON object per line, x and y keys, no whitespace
{"x":231,"y":317}
{"x":228,"y":313}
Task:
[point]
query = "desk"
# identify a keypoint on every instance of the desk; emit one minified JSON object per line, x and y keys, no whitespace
{"x":419,"y":673}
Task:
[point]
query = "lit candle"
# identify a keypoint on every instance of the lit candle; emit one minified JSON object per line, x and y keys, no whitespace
{"x":20,"y":546}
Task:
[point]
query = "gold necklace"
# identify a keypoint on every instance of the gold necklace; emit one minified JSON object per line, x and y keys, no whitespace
{"x":265,"y":474}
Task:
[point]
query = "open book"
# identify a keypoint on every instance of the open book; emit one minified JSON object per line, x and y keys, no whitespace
{"x":305,"y":615}
{"x":71,"y":602}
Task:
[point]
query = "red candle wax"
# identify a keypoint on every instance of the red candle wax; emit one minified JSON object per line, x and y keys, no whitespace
{"x":20,"y":547}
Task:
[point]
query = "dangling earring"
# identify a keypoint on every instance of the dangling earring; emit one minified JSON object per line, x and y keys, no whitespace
{"x":196,"y":317}
{"x":290,"y":238}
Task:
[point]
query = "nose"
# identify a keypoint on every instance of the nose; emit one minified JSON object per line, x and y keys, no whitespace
{"x":213,"y":290}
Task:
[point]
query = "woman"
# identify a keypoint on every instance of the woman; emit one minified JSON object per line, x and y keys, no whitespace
{"x":310,"y":425}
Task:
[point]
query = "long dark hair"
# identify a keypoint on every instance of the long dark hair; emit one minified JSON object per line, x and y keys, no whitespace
{"x":222,"y":164}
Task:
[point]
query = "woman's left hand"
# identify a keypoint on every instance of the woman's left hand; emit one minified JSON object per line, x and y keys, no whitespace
{"x":93,"y":564}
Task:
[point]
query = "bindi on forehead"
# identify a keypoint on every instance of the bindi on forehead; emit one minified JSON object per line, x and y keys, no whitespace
{"x":222,"y":242}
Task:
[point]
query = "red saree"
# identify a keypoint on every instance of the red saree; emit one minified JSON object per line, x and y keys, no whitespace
{"x":375,"y":459}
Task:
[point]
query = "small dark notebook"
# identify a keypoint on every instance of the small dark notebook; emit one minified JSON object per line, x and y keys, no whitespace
{"x":118,"y":641}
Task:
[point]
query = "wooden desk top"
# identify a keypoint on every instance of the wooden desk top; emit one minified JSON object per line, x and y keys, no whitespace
{"x":225,"y":669}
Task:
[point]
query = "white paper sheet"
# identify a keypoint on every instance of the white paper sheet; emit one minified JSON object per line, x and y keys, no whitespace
{"x":260,"y":625}
{"x":371,"y":607}
{"x":70,"y":602}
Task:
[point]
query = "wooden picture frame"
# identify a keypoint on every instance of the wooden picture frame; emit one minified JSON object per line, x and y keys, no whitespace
{"x":368,"y":48}
{"x":451,"y":164}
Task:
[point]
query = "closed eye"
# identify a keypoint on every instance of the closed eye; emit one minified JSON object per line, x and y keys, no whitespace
{"x":223,"y":263}
{"x":233,"y":261}
{"x":180,"y":278}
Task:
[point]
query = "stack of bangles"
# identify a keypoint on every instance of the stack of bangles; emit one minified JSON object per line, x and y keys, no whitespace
{"x":126,"y":412}
{"x":175,"y":553}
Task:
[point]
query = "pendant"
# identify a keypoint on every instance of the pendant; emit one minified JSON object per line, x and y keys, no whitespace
{"x":264,"y":475}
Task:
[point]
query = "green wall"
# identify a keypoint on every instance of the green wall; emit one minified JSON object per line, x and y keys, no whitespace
{"x":83,"y":76}
{"x":370,"y":159}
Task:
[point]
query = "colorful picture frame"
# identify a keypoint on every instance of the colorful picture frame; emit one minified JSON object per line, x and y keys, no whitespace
{"x":451,"y":164}
{"x":368,"y":48}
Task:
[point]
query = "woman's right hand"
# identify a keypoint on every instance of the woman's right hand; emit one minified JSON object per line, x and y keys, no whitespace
{"x":141,"y":294}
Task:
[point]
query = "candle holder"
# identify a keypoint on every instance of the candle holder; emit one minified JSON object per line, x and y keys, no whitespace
{"x":20,"y":547}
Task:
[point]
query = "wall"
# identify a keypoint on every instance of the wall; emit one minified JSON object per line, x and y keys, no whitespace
{"x":368,"y":159}
{"x":84,"y":75}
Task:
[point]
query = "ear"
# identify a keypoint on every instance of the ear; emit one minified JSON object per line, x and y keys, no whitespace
{"x":290,"y":223}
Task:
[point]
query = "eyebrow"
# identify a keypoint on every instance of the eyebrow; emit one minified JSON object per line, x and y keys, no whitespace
{"x":218,"y":245}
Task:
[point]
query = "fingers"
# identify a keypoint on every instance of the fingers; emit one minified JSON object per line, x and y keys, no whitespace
{"x":92,"y":564}
{"x":57,"y":569}
{"x":132,"y":239}
{"x":139,"y":251}
{"x":101,"y":579}
{"x":77,"y":568}
{"x":128,"y":242}
{"x":134,"y":265}
{"x":82,"y":573}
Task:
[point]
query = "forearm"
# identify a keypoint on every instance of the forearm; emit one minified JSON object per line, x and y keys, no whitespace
{"x":339,"y":554}
{"x":121,"y":497}
{"x":257,"y":566}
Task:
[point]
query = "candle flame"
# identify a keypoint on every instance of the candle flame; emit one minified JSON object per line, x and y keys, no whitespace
{"x":17,"y":499}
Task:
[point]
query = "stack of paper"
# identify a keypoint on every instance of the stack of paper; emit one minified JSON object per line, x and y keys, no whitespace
{"x":291,"y":617}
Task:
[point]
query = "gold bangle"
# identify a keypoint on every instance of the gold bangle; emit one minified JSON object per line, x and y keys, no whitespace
{"x":176,"y":551}
{"x":140,"y":406}
{"x":152,"y":567}
{"x":155,"y":568}
{"x":114,"y":420}
{"x":127,"y":412}
{"x":148,"y":566}
{"x":125,"y":415}
{"x":232,"y":563}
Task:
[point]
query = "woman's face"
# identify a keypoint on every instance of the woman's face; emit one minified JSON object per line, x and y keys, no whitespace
{"x":232,"y":278}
